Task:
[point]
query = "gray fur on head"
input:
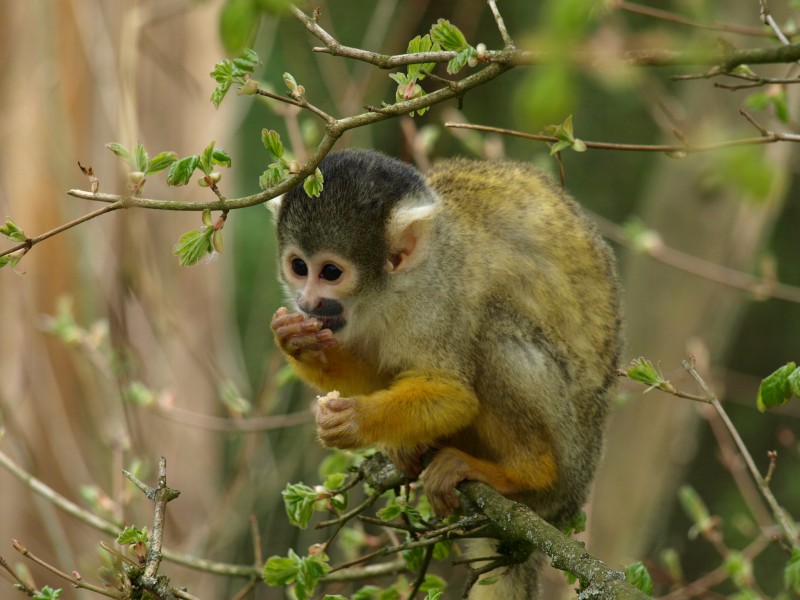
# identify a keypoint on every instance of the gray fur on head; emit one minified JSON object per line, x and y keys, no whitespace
{"x":350,"y":217}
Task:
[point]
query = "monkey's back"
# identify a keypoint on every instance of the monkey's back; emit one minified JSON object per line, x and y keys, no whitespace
{"x":548,"y":288}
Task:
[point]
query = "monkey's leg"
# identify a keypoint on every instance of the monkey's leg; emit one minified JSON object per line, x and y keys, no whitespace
{"x":451,"y":466}
{"x":418,"y":408}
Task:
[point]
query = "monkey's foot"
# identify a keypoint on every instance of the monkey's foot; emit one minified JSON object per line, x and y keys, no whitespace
{"x":447,"y":469}
{"x":408,"y":459}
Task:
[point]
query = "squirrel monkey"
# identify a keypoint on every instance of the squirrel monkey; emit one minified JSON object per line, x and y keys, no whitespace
{"x":474,"y":313}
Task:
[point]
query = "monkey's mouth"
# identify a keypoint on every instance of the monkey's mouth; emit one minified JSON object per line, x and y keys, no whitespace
{"x":332,"y":323}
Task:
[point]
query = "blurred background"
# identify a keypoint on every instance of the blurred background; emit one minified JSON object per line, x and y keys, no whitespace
{"x":112,"y":355}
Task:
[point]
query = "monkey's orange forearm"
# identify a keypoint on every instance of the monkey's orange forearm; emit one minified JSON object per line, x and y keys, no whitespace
{"x":418,"y":408}
{"x":340,"y":371}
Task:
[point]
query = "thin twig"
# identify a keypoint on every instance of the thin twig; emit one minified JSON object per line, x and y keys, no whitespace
{"x":423,"y":570}
{"x":670,"y":17}
{"x":711,"y":271}
{"x":769,"y":21}
{"x":782,"y":518}
{"x":501,"y":25}
{"x":72,"y":509}
{"x":161,"y":495}
{"x":75,"y":579}
{"x":769,"y":138}
{"x":31,"y":242}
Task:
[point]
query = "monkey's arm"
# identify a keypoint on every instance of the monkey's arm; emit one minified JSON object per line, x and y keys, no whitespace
{"x":418,"y":408}
{"x":314,"y":355}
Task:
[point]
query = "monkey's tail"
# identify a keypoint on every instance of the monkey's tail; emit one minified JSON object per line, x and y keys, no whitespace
{"x":520,"y":582}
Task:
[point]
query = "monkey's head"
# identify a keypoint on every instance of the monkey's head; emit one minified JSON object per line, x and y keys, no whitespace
{"x":368,"y":226}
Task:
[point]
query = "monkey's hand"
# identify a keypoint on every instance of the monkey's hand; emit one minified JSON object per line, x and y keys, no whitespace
{"x":301,"y":337}
{"x":337,"y":422}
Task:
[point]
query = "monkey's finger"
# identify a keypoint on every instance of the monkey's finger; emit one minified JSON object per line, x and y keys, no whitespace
{"x":298,"y":329}
{"x":338,"y":405}
{"x":300,"y":343}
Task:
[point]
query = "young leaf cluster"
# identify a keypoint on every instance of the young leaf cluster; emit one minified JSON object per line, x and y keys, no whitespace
{"x":565,"y":136}
{"x":281,"y":168}
{"x":301,"y":572}
{"x":643,"y":371}
{"x":443,"y":36}
{"x":196,"y":244}
{"x":181,"y":171}
{"x":638,"y":575}
{"x":230,"y":71}
{"x":136,"y":540}
{"x":408,"y":87}
{"x":47,"y":593}
{"x":779,"y":387}
{"x":450,"y":38}
{"x":15,"y":234}
{"x":141,"y":164}
{"x":775,"y":97}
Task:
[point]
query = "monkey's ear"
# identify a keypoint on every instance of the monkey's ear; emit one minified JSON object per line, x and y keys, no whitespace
{"x":407,"y":236}
{"x":274,"y":206}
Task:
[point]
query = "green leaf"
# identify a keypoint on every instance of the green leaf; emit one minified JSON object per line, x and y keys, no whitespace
{"x":695,"y":508}
{"x":467,"y":56}
{"x":420,"y":44}
{"x":414,"y":558}
{"x":47,"y":593}
{"x":791,"y":574}
{"x":247,"y":61}
{"x":577,"y":524}
{"x":206,"y":162}
{"x":161,"y":161}
{"x":304,"y":572}
{"x":448,"y":36}
{"x":279,"y":571}
{"x":336,"y":462}
{"x":219,"y":93}
{"x":12,"y":231}
{"x":638,"y":576}
{"x":140,"y":157}
{"x":334,"y":481}
{"x":123,"y":153}
{"x":299,"y":499}
{"x":227,"y":72}
{"x":180,"y":171}
{"x":273,"y":175}
{"x":642,"y":370}
{"x":290,"y":82}
{"x":220,"y":157}
{"x":132,"y":535}
{"x":441,"y":550}
{"x":238,"y":22}
{"x":272,"y":142}
{"x":794,"y":383}
{"x":193,"y":246}
{"x":390,"y":513}
{"x":435,"y":594}
{"x":313,"y":184}
{"x":776,"y":389}
{"x":311,"y":569}
{"x":433,"y":583}
{"x":10,"y":259}
{"x":739,"y":568}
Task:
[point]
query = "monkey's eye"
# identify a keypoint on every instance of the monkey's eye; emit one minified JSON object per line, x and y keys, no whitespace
{"x":299,"y":267}
{"x":330,"y":272}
